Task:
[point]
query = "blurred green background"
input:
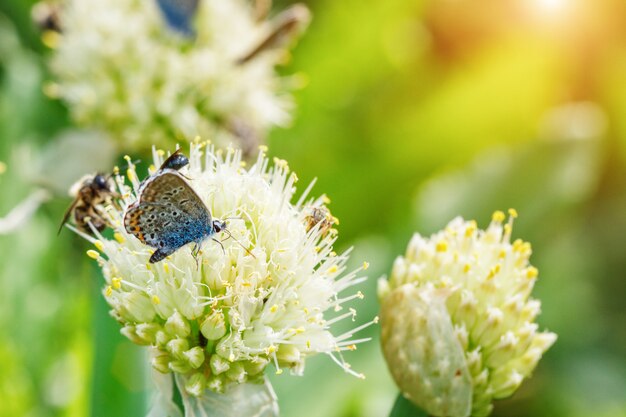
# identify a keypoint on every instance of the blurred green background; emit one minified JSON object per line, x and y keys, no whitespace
{"x":414,"y":112}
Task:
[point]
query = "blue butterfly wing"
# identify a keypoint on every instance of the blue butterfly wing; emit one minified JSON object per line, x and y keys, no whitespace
{"x":179,"y":14}
{"x":168,"y":215}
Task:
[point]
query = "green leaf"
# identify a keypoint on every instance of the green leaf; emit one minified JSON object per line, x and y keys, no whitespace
{"x":405,"y":408}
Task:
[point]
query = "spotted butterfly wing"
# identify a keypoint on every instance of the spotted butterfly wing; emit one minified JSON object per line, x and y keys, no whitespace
{"x":168,"y":215}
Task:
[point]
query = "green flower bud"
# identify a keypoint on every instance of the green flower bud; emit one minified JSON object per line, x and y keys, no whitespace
{"x":218,"y":364}
{"x":460,"y":300}
{"x":176,"y":325}
{"x":196,"y":384}
{"x":214,"y":327}
{"x":195,"y":357}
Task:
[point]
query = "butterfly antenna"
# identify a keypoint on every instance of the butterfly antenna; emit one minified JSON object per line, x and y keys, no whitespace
{"x":230,"y":235}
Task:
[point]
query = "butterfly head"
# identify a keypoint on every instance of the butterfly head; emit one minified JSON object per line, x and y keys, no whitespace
{"x":219,"y":225}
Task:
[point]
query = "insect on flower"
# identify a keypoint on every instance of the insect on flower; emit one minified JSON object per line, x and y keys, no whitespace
{"x":92,"y":192}
{"x":169,"y":214}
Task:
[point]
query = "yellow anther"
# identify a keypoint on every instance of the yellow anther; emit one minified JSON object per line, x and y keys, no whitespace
{"x":263,"y":149}
{"x":497,"y":268}
{"x":156,"y":299}
{"x":442,"y":246}
{"x":99,"y":245}
{"x":116,"y":170}
{"x":332,"y":269}
{"x":360,"y":295}
{"x":308,"y":344}
{"x":51,"y":90}
{"x":160,"y":152}
{"x":231,"y":357}
{"x":513,"y":213}
{"x":279,"y":371}
{"x":366,"y":265}
{"x":271,"y":349}
{"x":281,"y":163}
{"x":502,"y":254}
{"x":467,"y":268}
{"x":130,"y":174}
{"x":375,"y":321}
{"x":507,"y":229}
{"x":119,"y":237}
{"x":351,"y":347}
{"x":108,"y":291}
{"x":332,"y":254}
{"x":306,"y":310}
{"x":243,"y":164}
{"x":294,"y":177}
{"x":299,"y":330}
{"x":166,"y":267}
{"x":517,"y":244}
{"x":127,"y":158}
{"x":274,"y":308}
{"x":152,"y":168}
{"x":325,"y":199}
{"x":335,"y":220}
{"x":93,"y":254}
{"x":498,"y":216}
{"x":532,"y":272}
{"x":116,"y":283}
{"x":50,"y":38}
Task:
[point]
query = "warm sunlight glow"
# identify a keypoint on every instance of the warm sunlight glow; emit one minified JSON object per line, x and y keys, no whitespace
{"x":551,"y":6}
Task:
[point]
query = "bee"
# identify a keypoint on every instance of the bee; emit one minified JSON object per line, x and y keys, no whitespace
{"x":320,"y":217}
{"x":46,"y":15}
{"x":94,"y":190}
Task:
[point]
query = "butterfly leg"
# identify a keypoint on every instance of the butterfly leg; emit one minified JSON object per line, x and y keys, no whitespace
{"x":220,"y":243}
{"x":161,"y":254}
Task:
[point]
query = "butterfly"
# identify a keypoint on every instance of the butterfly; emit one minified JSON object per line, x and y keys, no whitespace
{"x":169,"y":214}
{"x":94,"y":191}
{"x":178,"y":14}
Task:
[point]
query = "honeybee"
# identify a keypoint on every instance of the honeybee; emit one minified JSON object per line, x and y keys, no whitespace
{"x":94,"y":190}
{"x":320,"y":217}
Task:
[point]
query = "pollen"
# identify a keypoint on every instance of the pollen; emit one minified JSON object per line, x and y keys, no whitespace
{"x":116,"y":283}
{"x":467,"y":268}
{"x":130,"y":174}
{"x":156,"y":300}
{"x":93,"y":254}
{"x":442,"y":246}
{"x":513,"y":213}
{"x":532,"y":272}
{"x":332,"y":269}
{"x":498,"y":216}
{"x":279,"y":372}
{"x":119,"y":237}
{"x":108,"y":291}
{"x":98,"y":244}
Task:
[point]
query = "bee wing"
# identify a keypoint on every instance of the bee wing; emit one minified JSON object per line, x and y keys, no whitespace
{"x":67,"y":214}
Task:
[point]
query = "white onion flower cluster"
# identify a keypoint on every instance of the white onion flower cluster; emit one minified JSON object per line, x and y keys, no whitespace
{"x":458,"y":323}
{"x":120,"y":67}
{"x":269,"y":296}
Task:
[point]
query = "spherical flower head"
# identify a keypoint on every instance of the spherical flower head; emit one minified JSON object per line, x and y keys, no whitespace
{"x":264,"y":293}
{"x":457,"y":319}
{"x":119,"y":66}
